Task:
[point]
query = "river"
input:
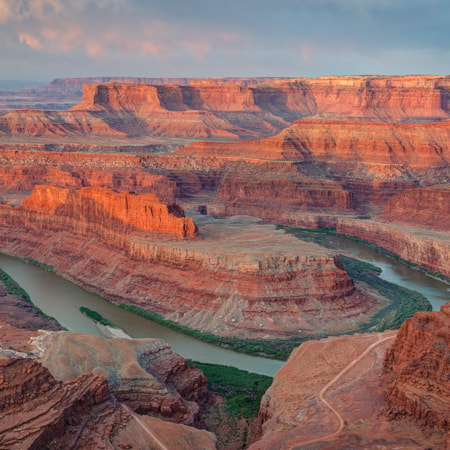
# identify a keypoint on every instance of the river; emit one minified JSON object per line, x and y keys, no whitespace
{"x":62,"y":300}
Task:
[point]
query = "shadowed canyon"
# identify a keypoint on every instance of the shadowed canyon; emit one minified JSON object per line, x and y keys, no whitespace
{"x":188,"y":202}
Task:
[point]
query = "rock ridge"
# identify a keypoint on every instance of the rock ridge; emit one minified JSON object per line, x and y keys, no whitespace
{"x":417,"y":368}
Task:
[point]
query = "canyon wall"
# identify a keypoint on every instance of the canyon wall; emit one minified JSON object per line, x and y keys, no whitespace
{"x":217,"y":283}
{"x":100,"y":212}
{"x":231,"y":110}
{"x":430,"y":250}
{"x":417,"y":367}
{"x":421,"y":207}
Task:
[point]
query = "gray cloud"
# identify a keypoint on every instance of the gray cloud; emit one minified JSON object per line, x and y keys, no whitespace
{"x":54,"y":38}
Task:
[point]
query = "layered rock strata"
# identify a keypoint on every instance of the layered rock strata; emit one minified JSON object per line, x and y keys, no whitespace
{"x":144,"y":374}
{"x":276,"y":286}
{"x":421,"y":207}
{"x":99,"y":212}
{"x":417,"y":368}
{"x":329,"y":395}
{"x":38,"y":411}
{"x":34,"y":407}
{"x":426,"y":248}
{"x":217,"y":110}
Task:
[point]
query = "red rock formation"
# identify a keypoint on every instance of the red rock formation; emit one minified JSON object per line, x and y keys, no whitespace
{"x":426,"y":248}
{"x":213,"y":109}
{"x":142,"y":373}
{"x":23,"y":168}
{"x":99,"y":212}
{"x":35,"y":408}
{"x":329,"y":395}
{"x":421,"y":207}
{"x":236,"y":289}
{"x":417,"y":368}
{"x":37,"y":411}
{"x":368,"y":163}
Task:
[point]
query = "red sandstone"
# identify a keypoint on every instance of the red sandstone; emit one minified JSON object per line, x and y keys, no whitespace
{"x":236,"y":289}
{"x":417,"y":368}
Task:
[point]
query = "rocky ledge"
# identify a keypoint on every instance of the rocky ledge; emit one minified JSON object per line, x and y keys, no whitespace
{"x":237,"y":278}
{"x":330,"y":394}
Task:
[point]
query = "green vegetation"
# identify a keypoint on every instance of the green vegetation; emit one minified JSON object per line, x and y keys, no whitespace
{"x":273,"y":348}
{"x":40,"y":264}
{"x":389,"y":254}
{"x":94,"y":315}
{"x":242,"y":390}
{"x":13,"y":288}
{"x":403,"y":303}
{"x":319,"y":236}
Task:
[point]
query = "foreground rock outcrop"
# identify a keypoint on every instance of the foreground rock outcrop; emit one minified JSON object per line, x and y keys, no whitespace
{"x":330,"y":395}
{"x":144,"y":374}
{"x":277,"y":286}
{"x":417,"y":371}
{"x":80,"y":391}
{"x":35,"y":408}
{"x":38,"y":411}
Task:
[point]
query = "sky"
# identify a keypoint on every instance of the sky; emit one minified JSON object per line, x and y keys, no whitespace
{"x":47,"y":39}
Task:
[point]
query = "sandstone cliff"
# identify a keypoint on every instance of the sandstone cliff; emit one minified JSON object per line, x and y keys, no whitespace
{"x":99,"y":212}
{"x":421,"y":207}
{"x":428,"y":249}
{"x":276,"y":286}
{"x":328,"y":395}
{"x":234,"y":110}
{"x":417,"y":368}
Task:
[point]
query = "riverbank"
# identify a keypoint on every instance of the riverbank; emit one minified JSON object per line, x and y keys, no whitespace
{"x":390,"y":316}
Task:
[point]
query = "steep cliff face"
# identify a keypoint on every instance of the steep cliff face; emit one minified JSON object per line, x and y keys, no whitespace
{"x":233,"y":110}
{"x":369,"y":161}
{"x":219,"y":283}
{"x":329,"y":395}
{"x":428,"y":249}
{"x":424,"y":207}
{"x":99,"y":212}
{"x":23,"y":168}
{"x":35,"y":408}
{"x":417,"y":368}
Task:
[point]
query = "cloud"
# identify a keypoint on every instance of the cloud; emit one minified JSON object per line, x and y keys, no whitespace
{"x":204,"y":38}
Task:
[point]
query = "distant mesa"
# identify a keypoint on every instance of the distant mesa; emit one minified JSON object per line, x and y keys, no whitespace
{"x":227,"y":109}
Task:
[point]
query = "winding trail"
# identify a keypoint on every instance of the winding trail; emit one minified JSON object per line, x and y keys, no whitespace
{"x":145,"y":427}
{"x":297,"y":441}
